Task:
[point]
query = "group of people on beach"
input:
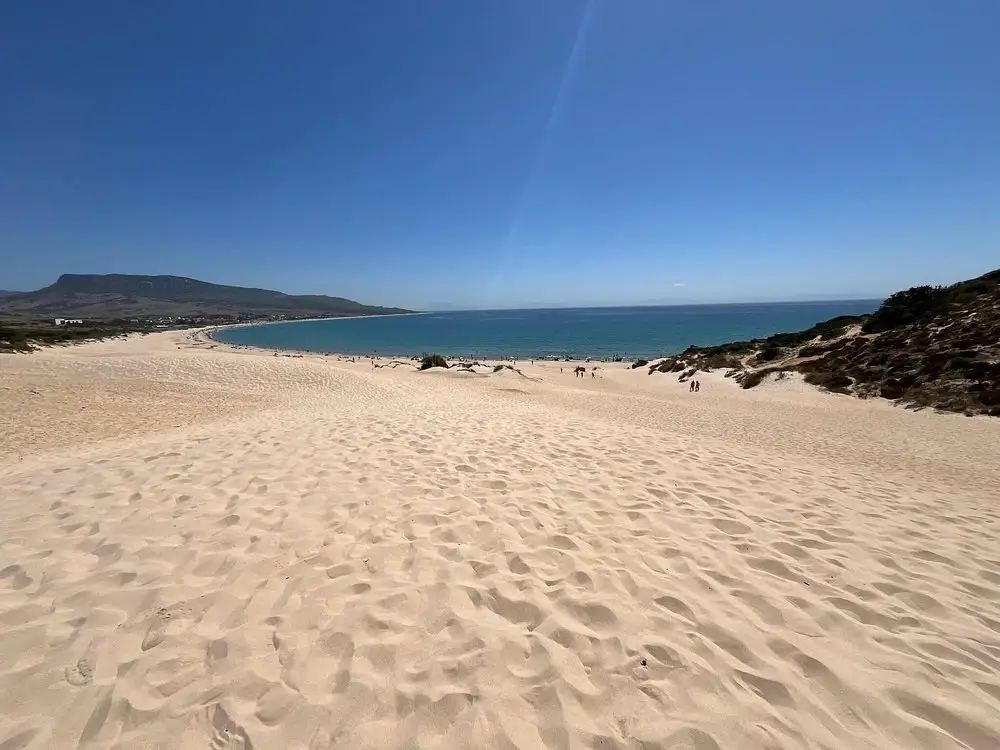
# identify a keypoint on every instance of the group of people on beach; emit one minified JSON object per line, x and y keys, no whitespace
{"x":695,"y":386}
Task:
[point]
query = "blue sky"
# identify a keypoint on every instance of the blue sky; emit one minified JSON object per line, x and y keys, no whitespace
{"x":482,"y":153}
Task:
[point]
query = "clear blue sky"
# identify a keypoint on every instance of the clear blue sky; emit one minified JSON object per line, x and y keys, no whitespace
{"x":504,"y":152}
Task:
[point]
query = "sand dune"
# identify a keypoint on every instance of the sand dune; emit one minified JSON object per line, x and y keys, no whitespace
{"x":234,"y":550}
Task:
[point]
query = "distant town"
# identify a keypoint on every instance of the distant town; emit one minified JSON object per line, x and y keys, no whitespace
{"x":177,"y":321}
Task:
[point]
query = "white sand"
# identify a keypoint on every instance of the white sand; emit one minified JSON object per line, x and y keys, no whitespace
{"x":202,"y":548}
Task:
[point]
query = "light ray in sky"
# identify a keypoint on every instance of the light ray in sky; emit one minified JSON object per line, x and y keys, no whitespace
{"x":570,"y":70}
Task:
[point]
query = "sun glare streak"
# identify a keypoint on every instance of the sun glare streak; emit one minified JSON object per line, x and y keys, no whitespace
{"x":570,"y":71}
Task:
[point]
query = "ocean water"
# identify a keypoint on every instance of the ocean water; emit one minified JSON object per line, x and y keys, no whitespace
{"x":602,"y":332}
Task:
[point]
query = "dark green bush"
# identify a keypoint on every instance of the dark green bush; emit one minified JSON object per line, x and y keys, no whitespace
{"x":813,"y":351}
{"x":640,"y":363}
{"x":831,"y":381}
{"x":720,"y":362}
{"x":832,"y":333}
{"x":753,"y":378}
{"x":906,"y":307}
{"x":667,"y":365}
{"x":432,"y":360}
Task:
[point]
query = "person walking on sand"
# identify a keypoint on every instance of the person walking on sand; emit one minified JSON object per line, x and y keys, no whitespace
{"x":691,"y":387}
{"x":697,"y":386}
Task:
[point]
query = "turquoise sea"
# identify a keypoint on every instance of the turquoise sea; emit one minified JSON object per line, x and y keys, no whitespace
{"x":601,"y":332}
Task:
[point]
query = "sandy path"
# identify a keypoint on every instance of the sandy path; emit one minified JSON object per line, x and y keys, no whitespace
{"x":322,"y":556}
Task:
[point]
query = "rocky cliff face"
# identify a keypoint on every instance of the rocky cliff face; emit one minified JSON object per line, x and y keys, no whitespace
{"x":935,"y":347}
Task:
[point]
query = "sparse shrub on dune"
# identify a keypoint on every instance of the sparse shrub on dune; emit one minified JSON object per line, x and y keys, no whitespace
{"x":831,"y":381}
{"x":768,"y":354}
{"x":813,"y":351}
{"x":753,"y":378}
{"x":432,"y":360}
{"x":720,"y":362}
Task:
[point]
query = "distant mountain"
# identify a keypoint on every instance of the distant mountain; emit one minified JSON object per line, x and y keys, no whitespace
{"x":103,"y":297}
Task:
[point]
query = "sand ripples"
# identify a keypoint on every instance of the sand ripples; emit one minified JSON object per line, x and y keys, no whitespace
{"x":387,"y":567}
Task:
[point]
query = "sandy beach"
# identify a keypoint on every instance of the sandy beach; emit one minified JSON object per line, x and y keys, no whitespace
{"x":205,"y":547}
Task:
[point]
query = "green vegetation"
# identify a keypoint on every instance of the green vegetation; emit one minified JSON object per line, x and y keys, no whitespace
{"x":753,"y":378}
{"x":432,"y":360}
{"x":925,"y":347}
{"x":825,"y":331}
{"x":813,"y":351}
{"x":907,"y":307}
{"x":26,"y":338}
{"x":832,"y":381}
{"x":920,"y":303}
{"x":720,"y":362}
{"x":640,"y":363}
{"x":130,"y":296}
{"x":670,"y":364}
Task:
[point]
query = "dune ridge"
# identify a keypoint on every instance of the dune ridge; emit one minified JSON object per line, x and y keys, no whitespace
{"x":236,"y":550}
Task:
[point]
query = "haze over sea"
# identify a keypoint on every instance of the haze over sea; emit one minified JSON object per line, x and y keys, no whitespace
{"x":599,"y":332}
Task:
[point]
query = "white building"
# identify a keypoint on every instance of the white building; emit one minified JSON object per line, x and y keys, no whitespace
{"x":68,"y":321}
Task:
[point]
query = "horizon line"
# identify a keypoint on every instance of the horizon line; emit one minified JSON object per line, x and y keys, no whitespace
{"x":662,"y":304}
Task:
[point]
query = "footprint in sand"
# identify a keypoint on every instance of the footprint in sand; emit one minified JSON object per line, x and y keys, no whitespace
{"x":18,"y":578}
{"x":80,"y":674}
{"x":212,"y":728}
{"x":731,"y":527}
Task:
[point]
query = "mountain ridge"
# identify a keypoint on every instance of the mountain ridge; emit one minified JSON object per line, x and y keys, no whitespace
{"x":116,"y":296}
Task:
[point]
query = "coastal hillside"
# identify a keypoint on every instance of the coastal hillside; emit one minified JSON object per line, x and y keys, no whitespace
{"x":929,"y":346}
{"x":104,"y":297}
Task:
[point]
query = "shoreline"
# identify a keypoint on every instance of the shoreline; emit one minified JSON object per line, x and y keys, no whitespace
{"x":200,"y":336}
{"x":209,"y":332}
{"x":255,"y":324}
{"x":648,"y":339}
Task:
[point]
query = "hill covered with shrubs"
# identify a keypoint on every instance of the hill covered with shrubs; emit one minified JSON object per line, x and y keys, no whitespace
{"x":928,"y":346}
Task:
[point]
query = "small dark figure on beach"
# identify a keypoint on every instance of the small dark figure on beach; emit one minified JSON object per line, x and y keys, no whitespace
{"x":593,"y":374}
{"x":691,"y":387}
{"x":697,"y":386}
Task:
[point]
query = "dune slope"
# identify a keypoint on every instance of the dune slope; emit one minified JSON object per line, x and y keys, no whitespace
{"x":323,"y":556}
